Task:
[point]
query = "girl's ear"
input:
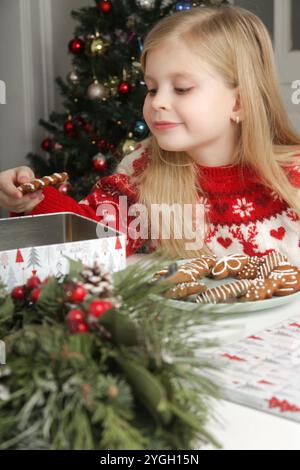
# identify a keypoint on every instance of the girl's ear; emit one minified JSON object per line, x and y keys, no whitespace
{"x":237,"y":107}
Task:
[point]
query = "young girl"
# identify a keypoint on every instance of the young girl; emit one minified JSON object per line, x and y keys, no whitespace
{"x":219,"y":136}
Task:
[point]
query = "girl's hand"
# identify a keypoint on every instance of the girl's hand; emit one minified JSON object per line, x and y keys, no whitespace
{"x":10,"y":197}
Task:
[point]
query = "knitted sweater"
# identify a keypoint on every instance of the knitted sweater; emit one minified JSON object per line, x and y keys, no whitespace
{"x":244,"y":216}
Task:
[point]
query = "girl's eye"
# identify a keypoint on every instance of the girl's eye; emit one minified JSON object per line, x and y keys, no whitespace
{"x":180,"y":91}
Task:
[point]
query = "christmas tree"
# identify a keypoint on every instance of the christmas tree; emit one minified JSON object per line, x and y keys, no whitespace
{"x":103,"y":93}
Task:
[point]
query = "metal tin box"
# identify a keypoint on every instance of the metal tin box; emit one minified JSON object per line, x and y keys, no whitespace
{"x":39,"y":245}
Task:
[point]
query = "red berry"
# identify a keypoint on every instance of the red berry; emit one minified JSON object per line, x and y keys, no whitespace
{"x":98,"y":307}
{"x":35,"y":294}
{"x":75,"y":321}
{"x":75,"y":315}
{"x":33,"y":282}
{"x":77,"y":294}
{"x":82,"y":328}
{"x":18,"y":293}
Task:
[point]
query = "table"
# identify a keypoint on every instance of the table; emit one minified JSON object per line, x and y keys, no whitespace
{"x":240,"y":427}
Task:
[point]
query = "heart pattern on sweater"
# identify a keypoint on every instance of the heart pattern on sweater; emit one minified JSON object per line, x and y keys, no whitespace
{"x":225,"y":242}
{"x":278,"y":234}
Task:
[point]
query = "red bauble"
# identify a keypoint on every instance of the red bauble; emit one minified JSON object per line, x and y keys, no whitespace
{"x":99,"y":163}
{"x":80,"y":121}
{"x":76,"y":294}
{"x":64,"y":188}
{"x":18,"y":293}
{"x":47,"y":144}
{"x":98,"y":307}
{"x":103,"y":144}
{"x":69,"y":127}
{"x":104,"y":6}
{"x":33,"y":282}
{"x":76,"y":46}
{"x":124,"y":88}
{"x":35,"y":294}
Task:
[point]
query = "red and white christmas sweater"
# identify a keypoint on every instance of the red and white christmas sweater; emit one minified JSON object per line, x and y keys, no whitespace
{"x":244,"y":215}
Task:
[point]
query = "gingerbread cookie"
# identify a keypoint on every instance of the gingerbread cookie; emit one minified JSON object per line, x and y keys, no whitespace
{"x":229,"y":266}
{"x":289,"y":277}
{"x":271,"y":261}
{"x":192,"y":270}
{"x":250,"y":271}
{"x":40,"y":183}
{"x":185,"y":289}
{"x":224,"y":293}
{"x":261,"y":289}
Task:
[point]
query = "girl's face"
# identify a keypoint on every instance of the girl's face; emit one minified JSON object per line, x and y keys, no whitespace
{"x":185,"y":91}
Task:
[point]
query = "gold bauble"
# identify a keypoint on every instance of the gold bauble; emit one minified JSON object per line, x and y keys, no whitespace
{"x":98,"y":46}
{"x":128,"y":146}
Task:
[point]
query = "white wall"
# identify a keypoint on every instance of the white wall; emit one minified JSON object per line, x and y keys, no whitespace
{"x":34,"y":36}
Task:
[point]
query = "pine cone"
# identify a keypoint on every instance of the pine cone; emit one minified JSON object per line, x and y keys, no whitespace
{"x":97,"y":281}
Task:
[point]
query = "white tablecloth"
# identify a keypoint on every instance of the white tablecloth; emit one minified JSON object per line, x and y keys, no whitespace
{"x":240,"y":427}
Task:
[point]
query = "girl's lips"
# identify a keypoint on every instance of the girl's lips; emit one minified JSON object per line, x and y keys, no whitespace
{"x":166,"y":126}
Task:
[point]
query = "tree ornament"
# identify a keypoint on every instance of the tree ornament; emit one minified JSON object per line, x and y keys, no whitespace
{"x":73,"y":77}
{"x":140,"y":128}
{"x":76,"y":293}
{"x":147,"y":5}
{"x":98,"y":46}
{"x":35,"y":294}
{"x":57,"y":147}
{"x":105,"y":6}
{"x":99,"y":163}
{"x":96,"y":91}
{"x":65,"y":188}
{"x":33,"y":281}
{"x":98,"y":307}
{"x":112,"y":85}
{"x":18,"y":293}
{"x":128,"y":146}
{"x":76,"y":46}
{"x":47,"y":144}
{"x":103,"y":144}
{"x":69,"y":127}
{"x":182,"y":6}
{"x":124,"y":87}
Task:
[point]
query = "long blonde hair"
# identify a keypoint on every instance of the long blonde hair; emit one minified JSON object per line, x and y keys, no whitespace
{"x":236,"y":43}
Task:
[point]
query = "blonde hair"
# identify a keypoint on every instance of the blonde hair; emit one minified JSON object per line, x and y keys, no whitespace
{"x":236,"y":43}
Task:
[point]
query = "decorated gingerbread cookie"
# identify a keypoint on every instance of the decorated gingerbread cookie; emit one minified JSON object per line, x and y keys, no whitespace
{"x":271,"y":261}
{"x":289,"y":277}
{"x":40,"y":183}
{"x":229,"y":266}
{"x":224,"y":293}
{"x":190,"y":271}
{"x":185,"y":289}
{"x":261,"y":289}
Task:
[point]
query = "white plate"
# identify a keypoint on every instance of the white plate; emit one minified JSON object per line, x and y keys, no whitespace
{"x":237,"y":307}
{"x":233,"y":307}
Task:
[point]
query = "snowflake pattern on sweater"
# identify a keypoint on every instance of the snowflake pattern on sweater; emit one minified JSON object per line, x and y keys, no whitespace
{"x":244,"y":216}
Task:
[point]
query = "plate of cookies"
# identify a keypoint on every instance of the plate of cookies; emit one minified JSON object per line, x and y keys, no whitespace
{"x":236,"y":282}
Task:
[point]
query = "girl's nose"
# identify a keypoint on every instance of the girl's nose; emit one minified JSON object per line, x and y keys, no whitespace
{"x":160,"y":101}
